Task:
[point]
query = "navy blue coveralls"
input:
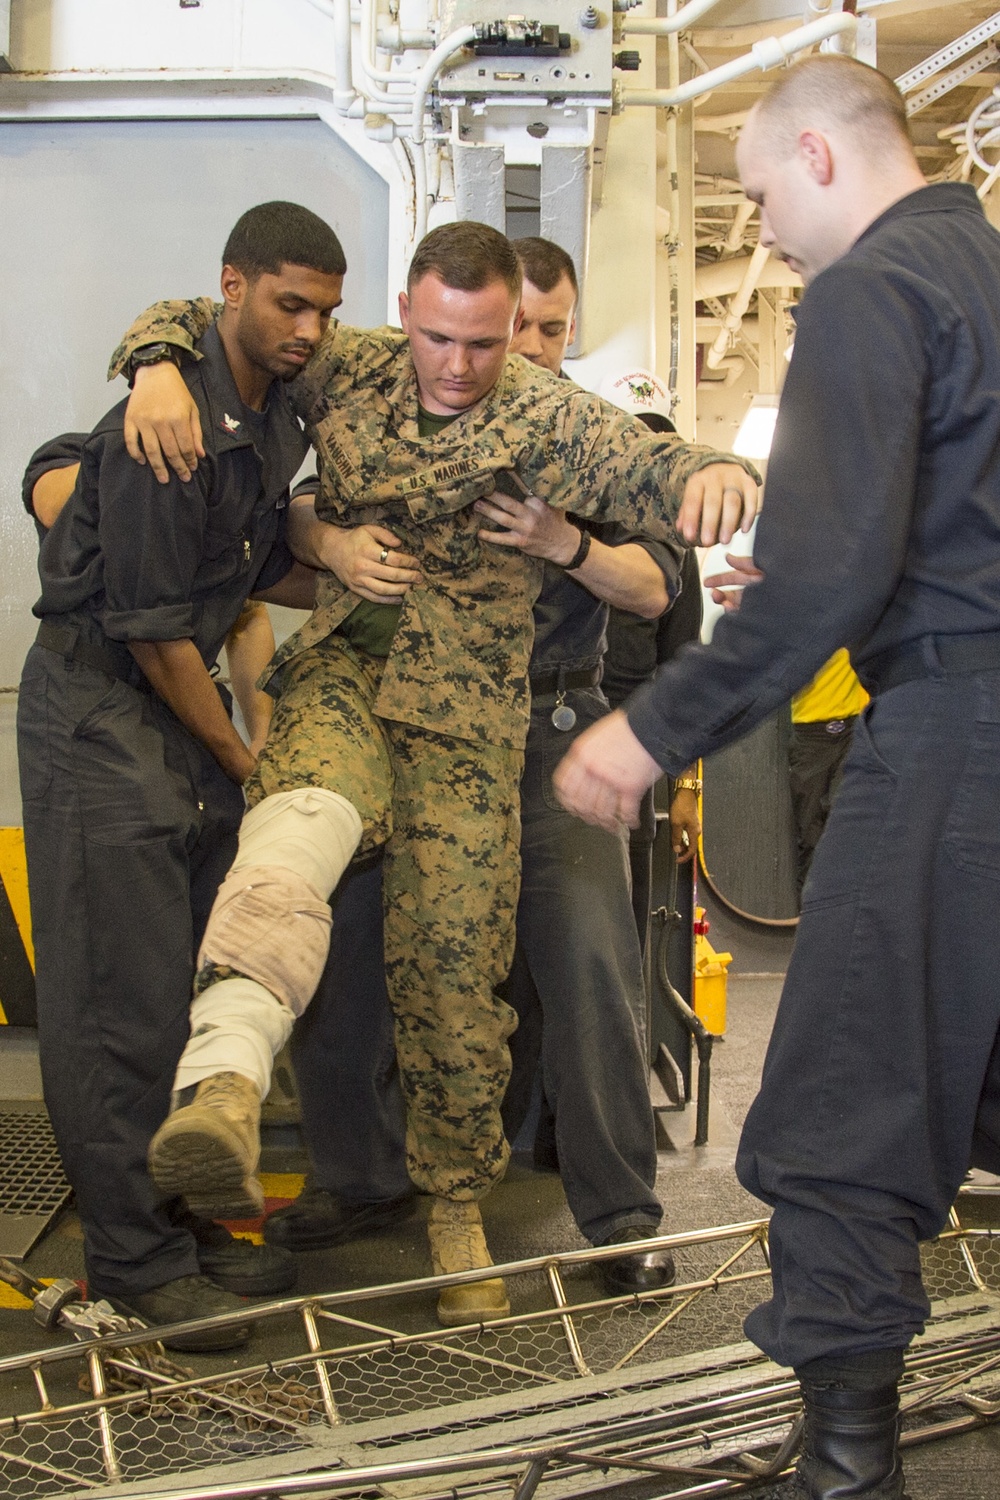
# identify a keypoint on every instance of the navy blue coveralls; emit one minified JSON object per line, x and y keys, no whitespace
{"x":881,"y":531}
{"x":130,"y":824}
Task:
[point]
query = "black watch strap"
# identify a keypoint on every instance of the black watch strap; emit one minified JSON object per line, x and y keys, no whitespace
{"x":579,"y":556}
{"x":151,"y":354}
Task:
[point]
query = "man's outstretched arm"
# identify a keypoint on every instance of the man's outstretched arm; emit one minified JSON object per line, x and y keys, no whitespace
{"x":832,"y":548}
{"x":249,"y":648}
{"x":593,"y":460}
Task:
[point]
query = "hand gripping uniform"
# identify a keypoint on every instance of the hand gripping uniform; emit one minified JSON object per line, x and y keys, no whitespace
{"x":425,"y":742}
{"x":882,"y":529}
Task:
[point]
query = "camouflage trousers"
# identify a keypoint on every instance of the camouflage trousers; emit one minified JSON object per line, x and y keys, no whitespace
{"x":447,"y":811}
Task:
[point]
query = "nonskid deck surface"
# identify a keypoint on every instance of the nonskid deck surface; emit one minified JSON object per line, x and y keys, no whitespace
{"x":571,"y":1395}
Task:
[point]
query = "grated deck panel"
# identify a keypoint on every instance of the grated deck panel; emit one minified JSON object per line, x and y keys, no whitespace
{"x":33,"y":1187}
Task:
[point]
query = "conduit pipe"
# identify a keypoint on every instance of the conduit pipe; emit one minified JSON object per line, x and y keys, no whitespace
{"x":724,"y":277}
{"x":392,"y":38}
{"x":762,"y":56}
{"x":339,"y":12}
{"x":721,"y":124}
{"x":674,"y":182}
{"x":718,"y":357}
{"x":373,"y":74}
{"x":463,"y":37}
{"x":669,"y":25}
{"x":343,"y":94}
{"x":741,"y":218}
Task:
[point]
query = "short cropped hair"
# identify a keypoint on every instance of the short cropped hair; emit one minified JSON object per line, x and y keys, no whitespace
{"x":273,"y":235}
{"x":466,"y":256}
{"x":837,"y":91}
{"x":545,"y":263}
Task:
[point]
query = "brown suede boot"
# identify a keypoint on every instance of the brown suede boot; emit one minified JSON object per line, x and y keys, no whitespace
{"x":207,"y":1151}
{"x":457,"y":1241}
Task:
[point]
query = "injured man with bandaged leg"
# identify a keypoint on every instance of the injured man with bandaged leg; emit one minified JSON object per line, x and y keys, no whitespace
{"x":412,"y":713}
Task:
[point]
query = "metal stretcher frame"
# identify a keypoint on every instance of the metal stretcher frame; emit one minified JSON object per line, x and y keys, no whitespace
{"x":572,"y":1396}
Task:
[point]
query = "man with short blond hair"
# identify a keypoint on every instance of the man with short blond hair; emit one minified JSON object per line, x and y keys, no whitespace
{"x":882,"y":529}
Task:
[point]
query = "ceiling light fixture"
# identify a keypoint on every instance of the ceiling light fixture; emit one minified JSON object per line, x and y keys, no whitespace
{"x":757,"y":428}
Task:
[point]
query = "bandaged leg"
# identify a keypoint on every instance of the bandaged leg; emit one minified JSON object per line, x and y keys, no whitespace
{"x":271,"y":924}
{"x":237,"y":1026}
{"x":270,"y":920}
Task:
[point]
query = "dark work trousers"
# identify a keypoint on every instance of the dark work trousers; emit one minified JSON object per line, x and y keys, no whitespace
{"x":640,"y":858}
{"x":344,"y":1053}
{"x":577,"y":987}
{"x":881,"y":1085}
{"x":129,"y":827}
{"x":816,"y":756}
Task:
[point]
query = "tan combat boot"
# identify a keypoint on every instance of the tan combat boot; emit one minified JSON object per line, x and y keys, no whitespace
{"x":207,"y":1152}
{"x":458,"y":1243}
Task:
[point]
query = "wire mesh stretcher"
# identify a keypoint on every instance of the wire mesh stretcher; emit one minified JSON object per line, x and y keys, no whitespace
{"x":571,"y":1396}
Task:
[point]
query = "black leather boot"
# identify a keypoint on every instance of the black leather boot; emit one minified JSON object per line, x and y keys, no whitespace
{"x":849,"y":1448}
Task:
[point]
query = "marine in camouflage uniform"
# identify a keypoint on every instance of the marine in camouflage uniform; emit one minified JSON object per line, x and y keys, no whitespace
{"x":428,"y":742}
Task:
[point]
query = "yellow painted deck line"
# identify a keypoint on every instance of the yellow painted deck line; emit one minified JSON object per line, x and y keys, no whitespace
{"x":10,"y":1298}
{"x":14,"y":871}
{"x":282,"y":1184}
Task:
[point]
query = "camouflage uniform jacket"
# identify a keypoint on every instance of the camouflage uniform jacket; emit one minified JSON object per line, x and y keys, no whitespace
{"x":459,"y":658}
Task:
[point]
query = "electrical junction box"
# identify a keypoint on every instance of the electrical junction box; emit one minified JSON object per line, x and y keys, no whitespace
{"x":560,"y":49}
{"x":532,"y":89}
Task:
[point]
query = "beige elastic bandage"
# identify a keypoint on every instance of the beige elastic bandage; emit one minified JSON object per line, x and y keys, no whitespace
{"x":271,"y":920}
{"x":269,"y":924}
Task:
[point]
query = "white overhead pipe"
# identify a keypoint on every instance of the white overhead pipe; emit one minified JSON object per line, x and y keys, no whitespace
{"x":707,"y":328}
{"x":373,"y":74}
{"x":391,"y":38}
{"x":737,"y":233}
{"x":722,"y":278}
{"x":762,"y":56}
{"x":721,"y":124}
{"x":716,"y":357}
{"x":343,"y":94}
{"x":668,"y":25}
{"x":339,"y":12}
{"x":463,"y":37}
{"x":739,"y":38}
